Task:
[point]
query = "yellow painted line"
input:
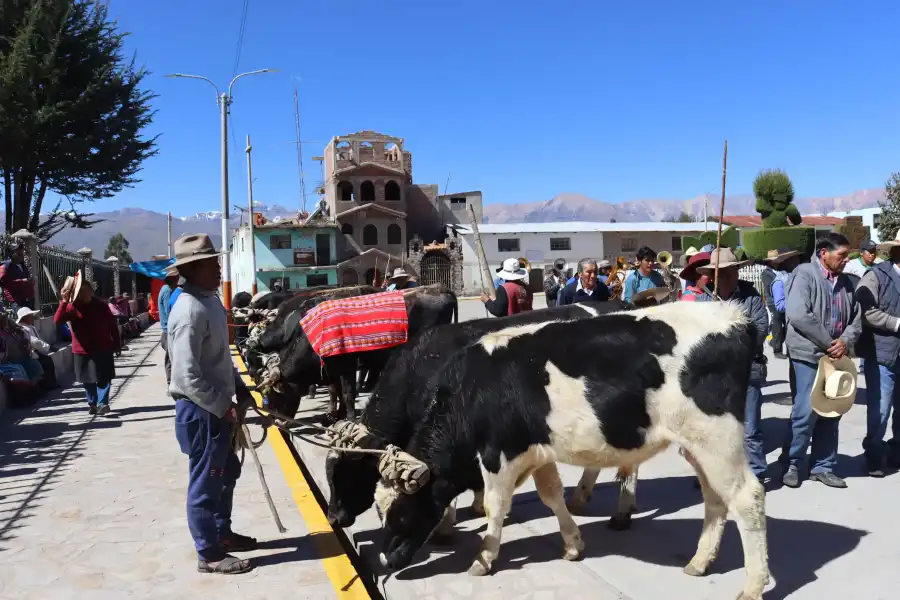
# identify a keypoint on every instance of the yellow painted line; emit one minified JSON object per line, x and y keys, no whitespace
{"x":346,"y":581}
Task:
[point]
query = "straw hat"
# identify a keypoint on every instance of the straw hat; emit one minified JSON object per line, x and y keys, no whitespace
{"x":511,"y":271}
{"x":834,"y":389}
{"x":77,"y":279}
{"x":194,"y":247}
{"x":399,"y":273}
{"x":683,"y":260}
{"x":775,"y":257}
{"x":725,"y":258}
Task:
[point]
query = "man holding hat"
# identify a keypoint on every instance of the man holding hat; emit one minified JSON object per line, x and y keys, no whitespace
{"x":165,"y":293}
{"x":823,"y":319}
{"x":732,"y":288}
{"x":878,"y":293}
{"x":867,"y":259}
{"x":204,"y":381}
{"x":513,"y":295}
{"x":400,"y":280}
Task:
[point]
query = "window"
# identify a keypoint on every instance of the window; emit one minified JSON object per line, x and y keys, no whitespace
{"x":280,"y":241}
{"x":560,"y":243}
{"x":458,"y":203}
{"x":676,"y":243}
{"x":345,"y":191}
{"x":507,"y":244}
{"x":876,"y":221}
{"x":629,"y":244}
{"x":316,"y":280}
{"x":347,"y":229}
{"x":367,"y":191}
{"x":394,"y":234}
{"x":391,"y":191}
{"x":370,"y":235}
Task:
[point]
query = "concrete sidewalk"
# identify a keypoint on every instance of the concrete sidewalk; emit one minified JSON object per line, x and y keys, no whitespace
{"x":94,"y":508}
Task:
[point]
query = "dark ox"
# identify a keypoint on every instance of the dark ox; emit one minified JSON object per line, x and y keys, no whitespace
{"x":426,"y":307}
{"x":398,"y":404}
{"x":609,"y":391}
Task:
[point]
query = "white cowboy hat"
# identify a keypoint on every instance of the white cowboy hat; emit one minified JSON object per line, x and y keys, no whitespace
{"x":604,"y":264}
{"x":687,"y":254}
{"x":834,"y":390}
{"x":724,"y":257}
{"x":511,"y":271}
{"x":399,"y":272}
{"x":25,"y":312}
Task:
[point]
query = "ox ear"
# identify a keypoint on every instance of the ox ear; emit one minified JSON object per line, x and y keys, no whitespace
{"x":402,"y":471}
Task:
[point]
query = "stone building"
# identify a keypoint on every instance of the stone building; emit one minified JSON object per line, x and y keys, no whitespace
{"x":368,"y":187}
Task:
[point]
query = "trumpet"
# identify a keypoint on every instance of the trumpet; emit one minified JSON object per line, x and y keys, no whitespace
{"x":616,"y":278}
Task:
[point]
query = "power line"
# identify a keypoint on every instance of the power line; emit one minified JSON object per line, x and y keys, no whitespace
{"x":240,"y":41}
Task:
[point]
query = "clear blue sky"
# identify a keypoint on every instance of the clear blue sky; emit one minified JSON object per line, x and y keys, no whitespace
{"x":524,"y":100}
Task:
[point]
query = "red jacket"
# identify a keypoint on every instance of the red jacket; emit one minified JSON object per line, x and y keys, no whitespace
{"x":519,"y":297}
{"x":94,"y":328}
{"x":17,"y":284}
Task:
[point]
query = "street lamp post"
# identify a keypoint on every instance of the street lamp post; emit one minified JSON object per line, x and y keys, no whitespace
{"x":224,"y":99}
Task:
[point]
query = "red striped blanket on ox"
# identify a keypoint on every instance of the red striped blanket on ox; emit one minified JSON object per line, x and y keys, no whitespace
{"x":358,"y":324}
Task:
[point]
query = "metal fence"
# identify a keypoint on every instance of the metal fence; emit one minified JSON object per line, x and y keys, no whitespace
{"x":59,"y":264}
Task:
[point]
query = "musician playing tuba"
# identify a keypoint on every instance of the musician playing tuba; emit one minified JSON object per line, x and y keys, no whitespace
{"x":643,"y":277}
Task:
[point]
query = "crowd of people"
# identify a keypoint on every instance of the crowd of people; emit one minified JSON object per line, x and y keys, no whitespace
{"x":816,"y":314}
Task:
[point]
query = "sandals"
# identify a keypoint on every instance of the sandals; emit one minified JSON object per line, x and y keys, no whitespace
{"x":238,"y":543}
{"x":230,"y":565}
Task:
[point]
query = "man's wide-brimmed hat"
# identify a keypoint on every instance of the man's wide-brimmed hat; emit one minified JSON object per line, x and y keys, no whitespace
{"x":604,"y":264}
{"x":725,"y":259}
{"x":511,"y":271}
{"x":194,"y":247}
{"x":689,"y":273}
{"x":775,"y":257}
{"x":399,"y":273}
{"x":834,"y":389}
{"x":659,"y":294}
{"x":171,"y":271}
{"x":683,"y":261}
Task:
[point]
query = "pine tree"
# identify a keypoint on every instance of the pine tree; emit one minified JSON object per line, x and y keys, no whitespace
{"x":118,"y":247}
{"x":889,"y":220}
{"x":72,"y":113}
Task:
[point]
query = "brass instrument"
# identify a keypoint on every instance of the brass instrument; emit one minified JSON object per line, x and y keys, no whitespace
{"x":616,"y":279}
{"x":524,"y":264}
{"x":665,"y":260}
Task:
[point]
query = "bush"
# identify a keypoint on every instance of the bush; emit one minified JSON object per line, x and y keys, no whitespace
{"x":775,"y":199}
{"x":758,"y":243}
{"x":730,"y":239}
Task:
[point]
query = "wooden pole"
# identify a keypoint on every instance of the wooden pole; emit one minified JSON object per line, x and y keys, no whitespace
{"x":721,"y":217}
{"x":486,"y":280}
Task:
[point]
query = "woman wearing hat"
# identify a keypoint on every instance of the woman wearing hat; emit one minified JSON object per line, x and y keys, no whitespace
{"x":95,"y":337}
{"x":513,"y":295}
{"x":697,"y":288}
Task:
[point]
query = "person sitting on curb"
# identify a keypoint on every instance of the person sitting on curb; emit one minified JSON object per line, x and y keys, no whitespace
{"x":40,"y":350}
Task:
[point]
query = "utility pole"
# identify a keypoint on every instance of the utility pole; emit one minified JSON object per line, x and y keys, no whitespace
{"x":250,"y":220}
{"x":169,"y":227}
{"x":224,"y":99}
{"x":299,"y":151}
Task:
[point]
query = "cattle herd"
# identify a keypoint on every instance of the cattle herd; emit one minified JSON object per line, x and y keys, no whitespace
{"x":485,"y":404}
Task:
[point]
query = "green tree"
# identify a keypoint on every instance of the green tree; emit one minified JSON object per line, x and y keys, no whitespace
{"x":889,"y":220}
{"x":684,"y":218}
{"x":72,"y":113}
{"x":118,"y":247}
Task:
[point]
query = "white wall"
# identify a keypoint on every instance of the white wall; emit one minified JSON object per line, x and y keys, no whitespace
{"x":868,"y":218}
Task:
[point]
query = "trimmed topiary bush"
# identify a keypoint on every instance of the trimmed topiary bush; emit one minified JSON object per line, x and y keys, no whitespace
{"x":775,"y":203}
{"x":758,"y":243}
{"x":730,"y":239}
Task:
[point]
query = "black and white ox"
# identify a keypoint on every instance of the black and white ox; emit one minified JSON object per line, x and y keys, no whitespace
{"x":614,"y":390}
{"x":398,"y":404}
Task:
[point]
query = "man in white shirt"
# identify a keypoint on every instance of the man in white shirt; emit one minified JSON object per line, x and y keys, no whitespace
{"x":867,"y":259}
{"x":40,"y":349}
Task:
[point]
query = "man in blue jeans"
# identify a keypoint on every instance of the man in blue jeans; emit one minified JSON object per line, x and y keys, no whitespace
{"x":823,"y":319}
{"x":878,"y":293}
{"x":204,"y":381}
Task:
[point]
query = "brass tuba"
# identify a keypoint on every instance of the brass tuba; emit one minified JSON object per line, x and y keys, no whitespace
{"x":524,"y":264}
{"x":665,"y":260}
{"x":616,"y":279}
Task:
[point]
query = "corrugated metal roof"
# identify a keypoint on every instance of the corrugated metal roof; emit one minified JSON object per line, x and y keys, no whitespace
{"x":585,"y":227}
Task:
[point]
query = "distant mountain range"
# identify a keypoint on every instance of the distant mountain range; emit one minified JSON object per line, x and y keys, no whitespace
{"x":145,"y":230}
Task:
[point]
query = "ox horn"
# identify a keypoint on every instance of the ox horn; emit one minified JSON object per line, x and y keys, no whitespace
{"x":403,"y":471}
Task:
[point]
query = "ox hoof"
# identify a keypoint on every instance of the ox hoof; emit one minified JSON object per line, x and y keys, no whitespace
{"x":744,"y":596}
{"x":479,"y":569}
{"x":693,"y":571}
{"x":574,"y":553}
{"x":578,"y":502}
{"x":620,"y":522}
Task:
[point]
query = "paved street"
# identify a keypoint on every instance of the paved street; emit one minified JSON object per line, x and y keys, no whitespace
{"x":823,"y":543}
{"x":93,"y":508}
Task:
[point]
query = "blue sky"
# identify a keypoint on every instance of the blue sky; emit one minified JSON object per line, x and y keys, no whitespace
{"x":524,"y":100}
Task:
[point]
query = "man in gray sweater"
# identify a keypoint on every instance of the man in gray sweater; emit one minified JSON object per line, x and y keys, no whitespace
{"x":878,"y":293}
{"x":823,"y":319}
{"x":204,"y":381}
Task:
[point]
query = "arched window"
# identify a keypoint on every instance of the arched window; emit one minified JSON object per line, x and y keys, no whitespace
{"x":347,"y":229}
{"x":367,"y":191}
{"x":394,"y":234}
{"x":373,"y":275}
{"x":345,"y":191}
{"x":349,"y":277}
{"x":392,"y":191}
{"x":370,"y":235}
